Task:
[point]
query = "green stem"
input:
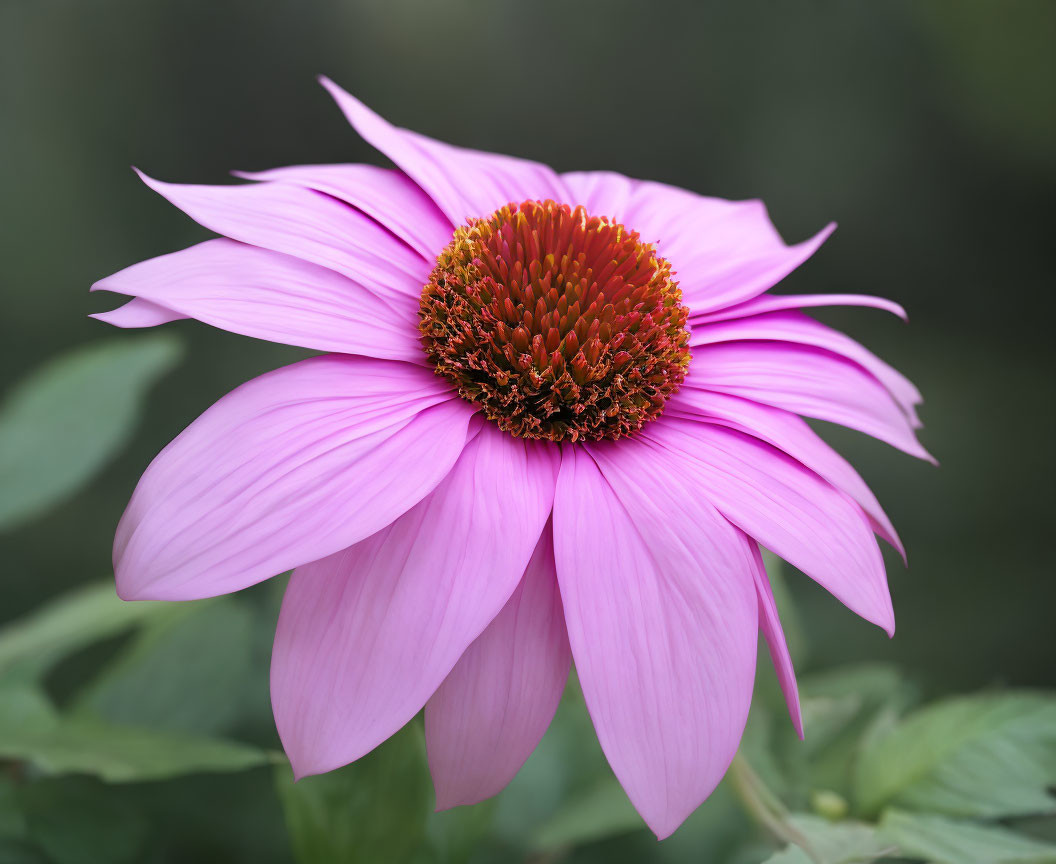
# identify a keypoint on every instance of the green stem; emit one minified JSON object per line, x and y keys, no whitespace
{"x":766,"y":808}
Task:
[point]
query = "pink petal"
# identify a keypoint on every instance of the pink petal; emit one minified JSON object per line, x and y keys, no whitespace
{"x":661,"y":614}
{"x":789,"y":433}
{"x":309,"y":225}
{"x":778,"y":302}
{"x":787,"y":508}
{"x":367,"y":635}
{"x":138,"y":313}
{"x":268,"y":295}
{"x":390,"y":197}
{"x":807,"y":381}
{"x":801,"y":329}
{"x":770,"y":624}
{"x":722,"y":252}
{"x":292,"y":466}
{"x":495,"y":705}
{"x":463,"y":183}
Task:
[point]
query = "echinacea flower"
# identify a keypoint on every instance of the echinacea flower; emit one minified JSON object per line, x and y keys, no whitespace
{"x":556,"y":418}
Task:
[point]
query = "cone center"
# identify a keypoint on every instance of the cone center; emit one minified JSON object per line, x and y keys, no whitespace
{"x":558,"y":324}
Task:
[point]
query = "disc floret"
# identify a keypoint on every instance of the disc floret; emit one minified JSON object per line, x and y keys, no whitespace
{"x":558,"y":324}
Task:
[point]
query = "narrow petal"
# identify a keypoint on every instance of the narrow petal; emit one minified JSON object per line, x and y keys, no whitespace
{"x":268,"y":295}
{"x":801,"y":329}
{"x":367,"y":635}
{"x":774,"y":634}
{"x":662,"y":618}
{"x":290,"y":467}
{"x":463,"y":183}
{"x":308,"y":225}
{"x":808,"y":381}
{"x":789,"y":433}
{"x":722,"y":252}
{"x":495,"y":705}
{"x":779,"y":302}
{"x":138,"y":313}
{"x":390,"y":197}
{"x":786,"y":508}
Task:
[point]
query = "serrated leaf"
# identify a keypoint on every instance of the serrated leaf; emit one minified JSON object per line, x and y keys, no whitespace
{"x":940,"y":840}
{"x":185,"y":671}
{"x":62,"y":423}
{"x":370,"y":811}
{"x":30,"y":645}
{"x":832,"y":843}
{"x":31,"y":731}
{"x":986,"y":756}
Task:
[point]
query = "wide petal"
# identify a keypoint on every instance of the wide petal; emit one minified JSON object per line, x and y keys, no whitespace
{"x":779,"y":302}
{"x":789,"y":433}
{"x":367,"y":635}
{"x":723,"y":252}
{"x":787,"y":508}
{"x":774,"y":634}
{"x":268,"y":295}
{"x":661,"y":613}
{"x":808,"y":381}
{"x":463,"y":183}
{"x":494,"y":706}
{"x":290,"y":467}
{"x":389,"y":196}
{"x":308,"y":225}
{"x":792,"y":326}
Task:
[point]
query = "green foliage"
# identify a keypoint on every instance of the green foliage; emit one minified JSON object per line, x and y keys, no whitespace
{"x":75,"y":821}
{"x":31,"y":730}
{"x":946,"y":841}
{"x":29,"y":646}
{"x":372,"y":810}
{"x":181,"y":650}
{"x":824,"y":842}
{"x":878,"y":784}
{"x":62,"y":423}
{"x":601,"y":811}
{"x":178,"y":692}
{"x":986,"y":756}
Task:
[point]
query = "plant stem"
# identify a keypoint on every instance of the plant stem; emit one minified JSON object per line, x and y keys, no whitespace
{"x":766,"y":808}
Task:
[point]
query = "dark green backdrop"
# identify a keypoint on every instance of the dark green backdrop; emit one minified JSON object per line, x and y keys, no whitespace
{"x":927,"y":130}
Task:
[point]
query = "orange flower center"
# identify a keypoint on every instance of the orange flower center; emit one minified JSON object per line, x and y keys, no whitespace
{"x":558,"y":324}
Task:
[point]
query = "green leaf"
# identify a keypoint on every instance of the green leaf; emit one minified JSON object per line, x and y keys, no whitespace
{"x":186,"y":671}
{"x":946,"y":841}
{"x":458,"y":833}
{"x":987,"y":756}
{"x":370,"y":811}
{"x":832,"y":843}
{"x":62,"y":423}
{"x":29,"y":646}
{"x":598,"y":812}
{"x":78,"y":821}
{"x":30,"y":730}
{"x":834,"y":700}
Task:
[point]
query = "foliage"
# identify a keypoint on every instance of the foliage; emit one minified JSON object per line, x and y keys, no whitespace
{"x":169,"y":704}
{"x":61,"y":425}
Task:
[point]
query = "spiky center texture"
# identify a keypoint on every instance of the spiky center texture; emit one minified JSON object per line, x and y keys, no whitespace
{"x":560,"y":325}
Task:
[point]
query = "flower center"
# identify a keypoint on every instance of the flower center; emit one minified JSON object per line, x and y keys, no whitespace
{"x":558,"y":324}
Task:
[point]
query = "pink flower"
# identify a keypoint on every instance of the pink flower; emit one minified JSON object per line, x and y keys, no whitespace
{"x":556,"y":417}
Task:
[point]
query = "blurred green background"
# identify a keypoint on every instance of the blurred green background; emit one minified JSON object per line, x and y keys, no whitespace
{"x":927,"y":130}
